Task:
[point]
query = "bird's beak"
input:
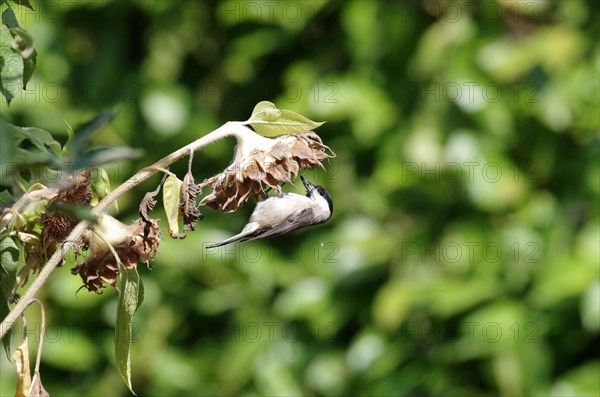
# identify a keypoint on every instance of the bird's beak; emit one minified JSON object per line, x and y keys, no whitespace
{"x":309,"y":186}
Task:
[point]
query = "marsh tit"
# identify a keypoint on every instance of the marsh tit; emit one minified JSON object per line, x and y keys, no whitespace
{"x":284,"y":213}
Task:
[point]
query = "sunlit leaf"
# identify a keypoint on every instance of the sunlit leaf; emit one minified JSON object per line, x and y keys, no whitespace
{"x":11,"y":66}
{"x":100,"y":184}
{"x":23,"y":44}
{"x":171,"y":197}
{"x":267,"y":120}
{"x":21,"y":359}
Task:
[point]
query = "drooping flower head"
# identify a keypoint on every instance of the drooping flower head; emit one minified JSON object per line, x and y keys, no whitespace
{"x":261,"y":163}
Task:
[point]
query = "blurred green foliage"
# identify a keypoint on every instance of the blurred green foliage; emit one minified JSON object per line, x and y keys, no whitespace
{"x":463,"y":255}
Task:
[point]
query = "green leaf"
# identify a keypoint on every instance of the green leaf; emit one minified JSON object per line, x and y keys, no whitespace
{"x":29,"y":65}
{"x":23,"y":45}
{"x":5,"y":92}
{"x":11,"y":66}
{"x":84,"y":132}
{"x":9,"y":259}
{"x":171,"y":194}
{"x":269,"y":121}
{"x":6,"y":199}
{"x":42,"y":139}
{"x":27,"y":158}
{"x":106,"y":154}
{"x":8,"y":18}
{"x":140,"y":295}
{"x":25,"y":3}
{"x":100,"y":184}
{"x":265,"y":110}
{"x":129,"y":300}
{"x":66,"y":150}
{"x":7,"y":153}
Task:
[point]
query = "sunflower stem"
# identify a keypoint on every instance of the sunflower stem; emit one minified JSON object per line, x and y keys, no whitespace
{"x":231,"y":128}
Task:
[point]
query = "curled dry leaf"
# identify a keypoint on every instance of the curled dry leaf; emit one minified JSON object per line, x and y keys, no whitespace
{"x":21,"y":357}
{"x":187,"y":202}
{"x":147,"y":204}
{"x":278,"y":161}
{"x":37,"y":389}
{"x":132,"y":243}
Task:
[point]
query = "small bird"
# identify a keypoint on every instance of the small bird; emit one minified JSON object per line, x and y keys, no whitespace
{"x":284,"y":213}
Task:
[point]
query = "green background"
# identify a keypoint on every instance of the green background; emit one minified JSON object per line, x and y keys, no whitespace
{"x":462,"y":258}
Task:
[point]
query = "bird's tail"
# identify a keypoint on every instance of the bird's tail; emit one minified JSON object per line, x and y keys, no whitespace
{"x":225,"y":242}
{"x":243,"y":236}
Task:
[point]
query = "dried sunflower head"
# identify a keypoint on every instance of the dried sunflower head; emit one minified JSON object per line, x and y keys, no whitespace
{"x":262,"y":163}
{"x":74,"y":191}
{"x":132,"y":243}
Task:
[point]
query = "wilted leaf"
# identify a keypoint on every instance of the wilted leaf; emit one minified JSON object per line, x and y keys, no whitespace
{"x":9,"y":259}
{"x":171,"y":195}
{"x":37,"y":389}
{"x":267,"y":120}
{"x":148,"y":203}
{"x":188,"y":208}
{"x":129,"y":297}
{"x":21,"y":357}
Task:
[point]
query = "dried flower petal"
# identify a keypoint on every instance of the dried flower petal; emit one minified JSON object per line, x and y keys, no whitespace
{"x":140,"y":243}
{"x":265,"y":167}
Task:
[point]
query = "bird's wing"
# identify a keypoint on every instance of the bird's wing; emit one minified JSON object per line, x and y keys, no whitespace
{"x":295,"y":221}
